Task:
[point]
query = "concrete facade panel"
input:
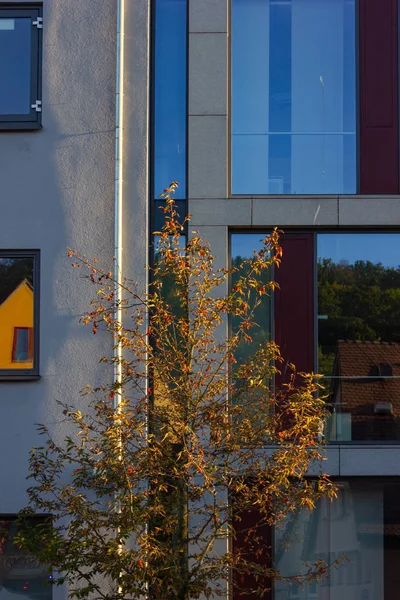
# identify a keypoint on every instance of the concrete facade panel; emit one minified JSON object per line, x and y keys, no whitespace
{"x":220,"y":211}
{"x":294,"y":211}
{"x":369,"y":211}
{"x":207,"y":74}
{"x":135,"y":141}
{"x":370,"y":461}
{"x":207,"y":157}
{"x":329,"y":465}
{"x":208,"y":16}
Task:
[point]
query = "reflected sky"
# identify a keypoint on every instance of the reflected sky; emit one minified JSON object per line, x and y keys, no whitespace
{"x":15,"y":66}
{"x":170,"y":96}
{"x":374,"y":247}
{"x":293,"y":97}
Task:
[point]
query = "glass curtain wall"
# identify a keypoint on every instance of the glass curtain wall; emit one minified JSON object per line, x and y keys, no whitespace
{"x":169,"y":101}
{"x":293,"y":97}
{"x":361,"y":528}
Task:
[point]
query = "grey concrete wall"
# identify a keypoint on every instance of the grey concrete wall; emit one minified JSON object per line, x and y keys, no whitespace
{"x":57,"y":190}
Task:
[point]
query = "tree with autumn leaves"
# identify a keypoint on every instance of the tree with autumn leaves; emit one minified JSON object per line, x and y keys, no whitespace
{"x":163,"y":463}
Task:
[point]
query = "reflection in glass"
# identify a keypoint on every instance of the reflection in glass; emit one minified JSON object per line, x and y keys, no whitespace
{"x":15,"y":66}
{"x":170,"y":96}
{"x":242,"y":247}
{"x":16,"y":313}
{"x":293,"y":97}
{"x":359,"y":334}
{"x":363,"y":526}
{"x":21,"y":575}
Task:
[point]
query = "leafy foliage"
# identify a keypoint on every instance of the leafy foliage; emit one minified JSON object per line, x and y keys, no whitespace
{"x":139,"y":492}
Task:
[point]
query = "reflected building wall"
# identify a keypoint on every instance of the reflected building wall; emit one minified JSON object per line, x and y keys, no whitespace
{"x":16,"y":314}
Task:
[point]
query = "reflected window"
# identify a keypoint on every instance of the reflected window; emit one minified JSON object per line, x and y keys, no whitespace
{"x":293,"y":97}
{"x":361,"y":525}
{"x":19,"y":279}
{"x":170,"y":96}
{"x":21,"y":575}
{"x":359,"y":333}
{"x":22,"y":345}
{"x":20,"y":39}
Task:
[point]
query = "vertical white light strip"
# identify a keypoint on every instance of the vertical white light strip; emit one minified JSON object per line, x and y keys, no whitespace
{"x":119,"y":107}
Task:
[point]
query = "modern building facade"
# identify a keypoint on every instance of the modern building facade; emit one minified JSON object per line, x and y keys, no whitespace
{"x":268,"y":113}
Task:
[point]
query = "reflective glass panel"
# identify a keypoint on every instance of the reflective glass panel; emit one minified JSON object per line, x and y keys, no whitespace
{"x":359,"y":333}
{"x":16,"y":312}
{"x":242,"y":247}
{"x":362,"y":526}
{"x":170,"y":96}
{"x":15,"y":66}
{"x":21,"y":575}
{"x":293,"y":97}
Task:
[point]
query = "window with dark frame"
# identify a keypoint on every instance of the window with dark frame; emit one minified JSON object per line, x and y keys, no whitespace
{"x":20,"y":66}
{"x":22,"y":344}
{"x":19,"y":314}
{"x":22,"y":576}
{"x":337,"y":312}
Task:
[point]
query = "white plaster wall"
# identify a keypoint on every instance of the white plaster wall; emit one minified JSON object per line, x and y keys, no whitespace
{"x":57,"y":190}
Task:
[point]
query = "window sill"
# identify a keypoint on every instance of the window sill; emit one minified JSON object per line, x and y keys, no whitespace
{"x":19,"y":377}
{"x":20,"y":126}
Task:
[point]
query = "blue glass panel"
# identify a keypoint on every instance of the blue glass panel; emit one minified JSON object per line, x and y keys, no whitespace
{"x":15,"y":66}
{"x":170,"y":96}
{"x":359,"y":334}
{"x":22,"y":345}
{"x":293,"y":86}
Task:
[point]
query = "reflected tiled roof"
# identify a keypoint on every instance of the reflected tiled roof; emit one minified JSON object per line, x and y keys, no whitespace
{"x":359,"y":396}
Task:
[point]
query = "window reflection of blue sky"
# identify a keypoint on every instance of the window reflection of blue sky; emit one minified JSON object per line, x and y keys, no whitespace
{"x":15,"y":65}
{"x":170,"y":96}
{"x":374,"y":247}
{"x":293,"y":97}
{"x":243,"y":244}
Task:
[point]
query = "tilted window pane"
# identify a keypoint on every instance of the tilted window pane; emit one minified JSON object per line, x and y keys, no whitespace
{"x":359,"y":333}
{"x":15,"y":66}
{"x":170,"y":96}
{"x":362,"y":526}
{"x":16,"y":312}
{"x":293,"y":97}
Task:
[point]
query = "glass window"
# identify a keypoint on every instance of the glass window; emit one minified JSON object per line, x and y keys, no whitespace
{"x":170,"y":96}
{"x":362,"y":525}
{"x":242,"y":247}
{"x":21,"y":575}
{"x":20,"y":39}
{"x":18,"y":314}
{"x":359,"y":333}
{"x":22,"y":345}
{"x":293,"y":97}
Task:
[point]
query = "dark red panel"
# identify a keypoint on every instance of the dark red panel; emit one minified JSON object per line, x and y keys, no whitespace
{"x":294,"y":301}
{"x":378,"y":97}
{"x":248,"y":521}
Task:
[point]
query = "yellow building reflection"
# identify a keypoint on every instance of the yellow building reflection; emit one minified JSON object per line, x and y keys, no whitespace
{"x":16,"y":328}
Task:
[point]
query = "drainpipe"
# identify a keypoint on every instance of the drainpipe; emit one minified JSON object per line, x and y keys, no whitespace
{"x":118,"y":194}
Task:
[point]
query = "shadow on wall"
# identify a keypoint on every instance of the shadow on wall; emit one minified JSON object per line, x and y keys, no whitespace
{"x":57,"y":192}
